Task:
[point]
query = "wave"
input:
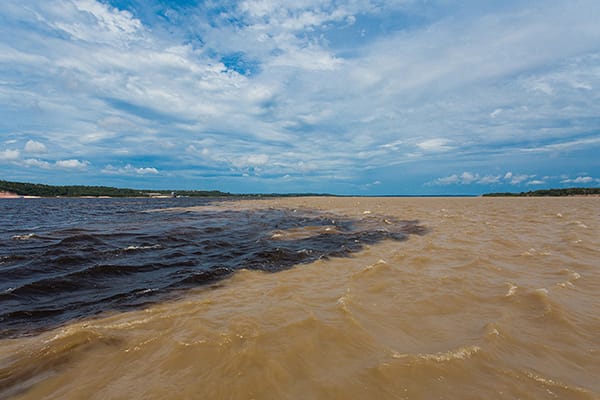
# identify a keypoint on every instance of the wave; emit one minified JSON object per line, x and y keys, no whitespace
{"x":26,"y":236}
{"x":461,"y":353}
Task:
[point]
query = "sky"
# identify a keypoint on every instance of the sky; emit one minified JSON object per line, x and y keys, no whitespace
{"x":365,"y":97}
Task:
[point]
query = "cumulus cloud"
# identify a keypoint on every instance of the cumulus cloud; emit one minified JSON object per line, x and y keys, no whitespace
{"x":516,"y":179}
{"x":72,"y":164}
{"x":60,"y":164}
{"x":34,"y":162}
{"x":489,"y":179}
{"x":510,"y":178}
{"x":129,"y":170}
{"x":9,"y":155}
{"x":580,"y":179}
{"x":447,"y":180}
{"x":468,"y":178}
{"x":34,"y":147}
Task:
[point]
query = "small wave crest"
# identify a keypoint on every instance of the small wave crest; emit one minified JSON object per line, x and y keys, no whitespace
{"x":26,"y":236}
{"x":512,"y":289}
{"x":461,"y":353}
{"x":146,"y":247}
{"x":554,"y":387}
{"x":373,"y":269}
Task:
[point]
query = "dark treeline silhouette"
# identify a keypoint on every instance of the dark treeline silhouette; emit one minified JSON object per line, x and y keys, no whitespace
{"x":550,"y":192}
{"x":34,"y":189}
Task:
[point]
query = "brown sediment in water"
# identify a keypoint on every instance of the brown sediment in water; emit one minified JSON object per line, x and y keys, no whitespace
{"x":498,"y":300}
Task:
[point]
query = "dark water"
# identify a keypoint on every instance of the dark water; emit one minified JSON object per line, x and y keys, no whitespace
{"x":64,"y":259}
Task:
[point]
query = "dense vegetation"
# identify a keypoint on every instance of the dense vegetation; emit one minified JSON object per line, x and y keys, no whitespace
{"x":34,"y":189}
{"x":551,"y":192}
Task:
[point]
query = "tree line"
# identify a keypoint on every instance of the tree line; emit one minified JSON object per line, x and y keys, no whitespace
{"x":550,"y":192}
{"x":36,"y":189}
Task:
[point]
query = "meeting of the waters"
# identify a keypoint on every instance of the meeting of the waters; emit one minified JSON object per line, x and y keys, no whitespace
{"x":68,"y":258}
{"x":294,"y":298}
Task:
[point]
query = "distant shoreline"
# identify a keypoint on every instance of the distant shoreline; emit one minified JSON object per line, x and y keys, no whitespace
{"x":571,"y":192}
{"x":13,"y":190}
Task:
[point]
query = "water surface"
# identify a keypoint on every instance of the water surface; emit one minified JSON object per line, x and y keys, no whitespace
{"x":499,"y":299}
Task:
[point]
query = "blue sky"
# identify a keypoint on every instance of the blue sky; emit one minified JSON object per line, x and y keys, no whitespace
{"x":341,"y":96}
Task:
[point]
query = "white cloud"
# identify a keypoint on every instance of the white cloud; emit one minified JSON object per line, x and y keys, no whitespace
{"x":60,"y":164}
{"x":489,"y":179}
{"x":565,"y":145}
{"x":536,"y":182}
{"x":516,"y":179}
{"x":435,"y":145}
{"x":34,"y":147}
{"x":496,"y":112}
{"x":102,"y":22}
{"x":252,"y":160}
{"x":309,"y":58}
{"x":448,"y":180}
{"x":580,"y":179}
{"x":34,"y":162}
{"x":9,"y":155}
{"x":277,"y":15}
{"x":468,"y":178}
{"x":394,"y":146}
{"x":129,"y":170}
{"x":72,"y":164}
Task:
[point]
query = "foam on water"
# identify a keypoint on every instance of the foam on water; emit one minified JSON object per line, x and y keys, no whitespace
{"x":511,"y":290}
{"x":23,"y":237}
{"x":147,"y":247}
{"x":462,"y":353}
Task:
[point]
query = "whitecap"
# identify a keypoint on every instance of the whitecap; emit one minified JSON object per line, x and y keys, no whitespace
{"x":533,"y":251}
{"x":511,"y":290}
{"x":23,"y":237}
{"x":565,"y":285}
{"x":462,"y":353}
{"x":144,"y":291}
{"x":549,"y":382}
{"x":578,"y":224}
{"x":132,"y":248}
